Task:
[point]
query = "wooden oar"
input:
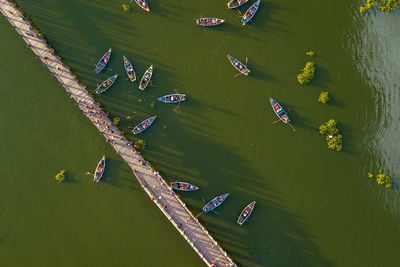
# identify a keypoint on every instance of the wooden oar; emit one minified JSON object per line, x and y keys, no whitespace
{"x":246,"y":60}
{"x":276,"y":121}
{"x":241,"y":14}
{"x":291,"y":126}
{"x":90,"y":173}
{"x":237,"y":75}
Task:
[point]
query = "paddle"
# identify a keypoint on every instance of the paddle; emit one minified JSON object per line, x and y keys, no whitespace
{"x":215,"y":212}
{"x":179,"y":98}
{"x":89,"y":173}
{"x":241,"y":14}
{"x":276,"y":121}
{"x":237,"y":75}
{"x":246,"y":60}
{"x":291,"y":126}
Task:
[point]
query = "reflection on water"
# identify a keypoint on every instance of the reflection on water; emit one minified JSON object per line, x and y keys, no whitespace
{"x":375,"y":49}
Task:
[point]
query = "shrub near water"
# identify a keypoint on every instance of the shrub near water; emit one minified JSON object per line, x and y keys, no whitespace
{"x":382,"y":179}
{"x":385,"y":6}
{"x":333,"y":138}
{"x":116,"y":120}
{"x":323,"y":97}
{"x":60,"y":177}
{"x":307,"y":73}
{"x":140,"y":144}
{"x":126,"y":7}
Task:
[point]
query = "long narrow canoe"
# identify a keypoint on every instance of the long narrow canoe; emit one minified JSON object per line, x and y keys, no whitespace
{"x":215,"y":202}
{"x":250,"y":12}
{"x":236,"y":3}
{"x":143,"y":4}
{"x":173,"y":98}
{"x":208,"y":22}
{"x":246,"y":213}
{"x":103,"y":61}
{"x":98,"y":173}
{"x":143,"y":125}
{"x":146,"y":78}
{"x":279,"y":111}
{"x":239,"y":65}
{"x":129,"y":69}
{"x":182,"y":186}
{"x":106,"y":84}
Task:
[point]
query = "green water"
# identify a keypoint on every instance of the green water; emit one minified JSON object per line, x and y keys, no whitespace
{"x":314,"y":207}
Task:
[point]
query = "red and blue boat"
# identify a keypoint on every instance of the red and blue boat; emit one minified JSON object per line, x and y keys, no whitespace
{"x":130,"y":71}
{"x":103,"y":61}
{"x":246,"y":212}
{"x":98,"y":173}
{"x":279,"y":111}
{"x":173,"y":98}
{"x":236,"y":3}
{"x":215,"y":202}
{"x":143,"y":4}
{"x":182,"y":186}
{"x":242,"y":68}
{"x":106,"y":84}
{"x":143,"y":125}
{"x":209,"y":22}
{"x":251,"y":12}
{"x":146,"y":78}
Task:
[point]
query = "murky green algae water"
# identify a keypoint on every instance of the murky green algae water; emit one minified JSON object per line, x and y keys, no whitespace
{"x":314,"y":207}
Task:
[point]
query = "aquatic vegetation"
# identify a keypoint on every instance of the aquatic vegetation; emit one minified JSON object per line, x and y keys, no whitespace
{"x":385,"y":6}
{"x":333,"y":139}
{"x":307,"y":73}
{"x":116,"y":120}
{"x":140,"y":100}
{"x":60,"y":177}
{"x":126,"y":7}
{"x":323,"y":97}
{"x":152,"y":104}
{"x":382,"y":179}
{"x":310,"y":53}
{"x":140,"y":144}
{"x":165,"y":127}
{"x":130,"y":117}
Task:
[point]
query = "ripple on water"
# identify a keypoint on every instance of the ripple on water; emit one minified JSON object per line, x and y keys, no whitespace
{"x":374,"y":44}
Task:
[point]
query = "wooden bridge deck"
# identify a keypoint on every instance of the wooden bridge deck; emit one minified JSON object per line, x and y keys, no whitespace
{"x":154,"y":185}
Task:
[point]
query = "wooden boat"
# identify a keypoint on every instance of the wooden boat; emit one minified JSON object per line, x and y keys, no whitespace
{"x":250,"y":12}
{"x":215,"y":202}
{"x":106,"y":84}
{"x":129,"y":69}
{"x":146,"y":78}
{"x":279,"y":111}
{"x":182,"y":186}
{"x":246,"y":213}
{"x":98,"y":173}
{"x":103,"y":61}
{"x":143,"y":4}
{"x":173,"y":98}
{"x":236,"y":3}
{"x":143,"y":125}
{"x":242,"y":68}
{"x":208,"y":22}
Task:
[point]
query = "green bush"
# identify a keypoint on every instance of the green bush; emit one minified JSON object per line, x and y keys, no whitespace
{"x":310,"y":53}
{"x":329,"y":128}
{"x":140,"y":144}
{"x":126,"y":7}
{"x":382,"y":179}
{"x":323,"y":97}
{"x":152,"y":104}
{"x":334,"y":142}
{"x":140,"y":100}
{"x":333,"y":139}
{"x":60,"y":177}
{"x":116,"y":120}
{"x":307,"y":73}
{"x":385,"y":6}
{"x":130,"y":117}
{"x":165,"y":127}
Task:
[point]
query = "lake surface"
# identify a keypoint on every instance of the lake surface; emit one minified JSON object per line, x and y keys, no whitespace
{"x":314,"y":207}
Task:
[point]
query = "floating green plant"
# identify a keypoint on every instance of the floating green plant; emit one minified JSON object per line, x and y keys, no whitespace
{"x":310,"y":53}
{"x":60,"y":177}
{"x":323,"y":97}
{"x":140,"y":100}
{"x":385,"y":6}
{"x":307,"y":73}
{"x":165,"y":127}
{"x":382,"y":179}
{"x":333,"y":139}
{"x":116,"y":120}
{"x":152,"y":104}
{"x":126,"y":7}
{"x":130,"y":117}
{"x":140,"y":144}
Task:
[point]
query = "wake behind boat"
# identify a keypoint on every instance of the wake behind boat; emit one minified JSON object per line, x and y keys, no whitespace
{"x":279,"y":111}
{"x":236,"y":3}
{"x":182,"y":186}
{"x":246,"y":213}
{"x":250,"y":12}
{"x":98,"y":173}
{"x":129,"y":69}
{"x":106,"y":84}
{"x":173,"y":98}
{"x":146,"y":78}
{"x":103,"y":61}
{"x":208,"y":22}
{"x":215,"y":202}
{"x":143,"y":125}
{"x":242,"y":68}
{"x":143,"y":4}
